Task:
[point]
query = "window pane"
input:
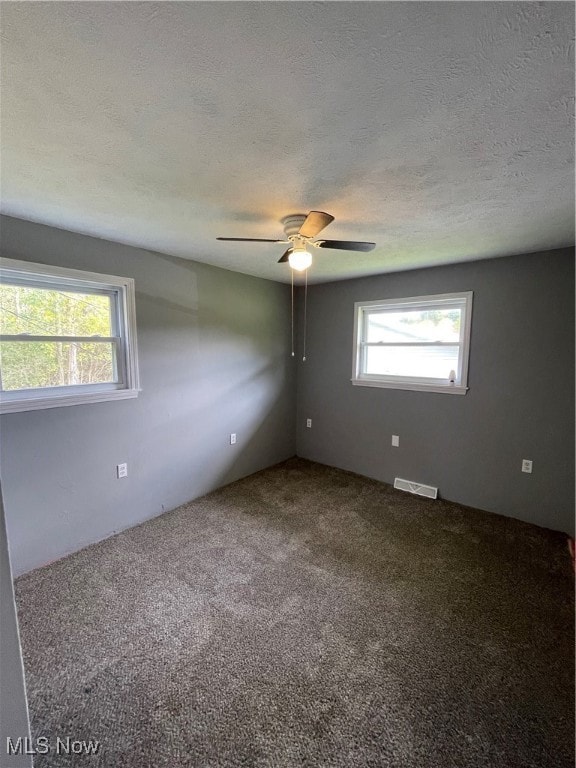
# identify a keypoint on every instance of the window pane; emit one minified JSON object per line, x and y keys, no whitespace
{"x":422,"y":362}
{"x":49,"y":312}
{"x":414,"y":325}
{"x":29,"y":364}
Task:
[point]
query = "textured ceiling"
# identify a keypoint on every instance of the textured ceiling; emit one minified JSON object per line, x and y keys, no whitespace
{"x":441,"y":131}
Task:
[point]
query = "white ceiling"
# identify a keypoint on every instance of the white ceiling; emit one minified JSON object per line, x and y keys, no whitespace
{"x":441,"y":131}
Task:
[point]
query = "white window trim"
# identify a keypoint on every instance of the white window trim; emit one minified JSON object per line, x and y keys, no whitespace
{"x":79,"y":394}
{"x":414,"y":384}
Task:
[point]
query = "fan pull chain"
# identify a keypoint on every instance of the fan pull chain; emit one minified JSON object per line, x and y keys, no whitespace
{"x":305,"y":308}
{"x":292,"y":294}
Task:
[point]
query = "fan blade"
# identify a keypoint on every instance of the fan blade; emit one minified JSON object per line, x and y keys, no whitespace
{"x":284,"y":256}
{"x":314,"y":223}
{"x":250,"y":240}
{"x":345,"y":245}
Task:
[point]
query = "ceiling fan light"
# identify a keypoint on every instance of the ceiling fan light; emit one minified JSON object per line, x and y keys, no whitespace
{"x":300,"y":260}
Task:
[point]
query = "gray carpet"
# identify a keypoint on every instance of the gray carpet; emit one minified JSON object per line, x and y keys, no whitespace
{"x":305,"y":616}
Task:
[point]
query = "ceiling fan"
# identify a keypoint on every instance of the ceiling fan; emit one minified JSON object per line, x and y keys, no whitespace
{"x":300,"y":231}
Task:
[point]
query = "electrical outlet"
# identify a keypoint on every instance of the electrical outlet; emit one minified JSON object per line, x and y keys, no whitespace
{"x":122,"y":470}
{"x":233,"y":438}
{"x":526,"y":465}
{"x":309,"y":423}
{"x":395,"y":441}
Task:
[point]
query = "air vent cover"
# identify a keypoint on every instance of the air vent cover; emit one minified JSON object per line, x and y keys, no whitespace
{"x":420,"y":490}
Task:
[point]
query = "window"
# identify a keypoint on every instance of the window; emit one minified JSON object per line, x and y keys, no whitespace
{"x":419,"y":343}
{"x":66,"y":337}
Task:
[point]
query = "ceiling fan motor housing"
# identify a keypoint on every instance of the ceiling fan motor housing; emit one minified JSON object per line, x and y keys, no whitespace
{"x":292,"y":224}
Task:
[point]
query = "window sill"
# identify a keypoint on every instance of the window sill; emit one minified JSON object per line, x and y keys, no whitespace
{"x":445,"y":389}
{"x":59,"y":401}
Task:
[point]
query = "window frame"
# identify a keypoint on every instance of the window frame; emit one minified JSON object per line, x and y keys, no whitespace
{"x":123,"y":324}
{"x":362,"y":309}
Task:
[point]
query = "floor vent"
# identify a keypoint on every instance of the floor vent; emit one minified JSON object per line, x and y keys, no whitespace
{"x":417,"y":488}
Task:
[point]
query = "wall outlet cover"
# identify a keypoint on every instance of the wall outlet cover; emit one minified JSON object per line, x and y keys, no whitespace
{"x":395,"y":441}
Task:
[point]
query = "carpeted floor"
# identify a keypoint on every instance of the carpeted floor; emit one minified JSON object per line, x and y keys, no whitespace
{"x":306,"y":616}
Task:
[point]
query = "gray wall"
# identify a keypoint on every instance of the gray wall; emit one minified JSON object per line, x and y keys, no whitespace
{"x":13,"y":706}
{"x":214,"y":350}
{"x":520,"y":403}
